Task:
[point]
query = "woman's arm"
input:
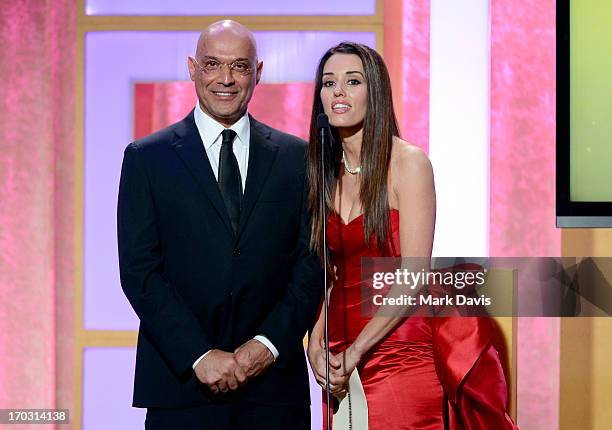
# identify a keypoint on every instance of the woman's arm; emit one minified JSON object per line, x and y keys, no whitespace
{"x":316,"y":354}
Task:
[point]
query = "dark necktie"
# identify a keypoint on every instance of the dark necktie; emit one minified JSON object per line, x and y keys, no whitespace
{"x":230,"y":183}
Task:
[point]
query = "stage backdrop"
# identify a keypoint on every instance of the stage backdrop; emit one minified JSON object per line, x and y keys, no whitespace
{"x":474,"y":86}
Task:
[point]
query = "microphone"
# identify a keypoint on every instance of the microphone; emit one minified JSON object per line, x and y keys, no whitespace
{"x":323,"y":125}
{"x":322,"y":121}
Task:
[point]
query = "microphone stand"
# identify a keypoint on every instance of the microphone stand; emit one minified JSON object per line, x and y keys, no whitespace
{"x":323,"y":123}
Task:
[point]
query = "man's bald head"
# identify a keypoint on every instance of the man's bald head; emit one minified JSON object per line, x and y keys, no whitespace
{"x":227,"y":32}
{"x":225,"y":70}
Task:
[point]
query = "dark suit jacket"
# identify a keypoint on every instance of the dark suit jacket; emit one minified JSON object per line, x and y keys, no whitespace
{"x":195,"y":285}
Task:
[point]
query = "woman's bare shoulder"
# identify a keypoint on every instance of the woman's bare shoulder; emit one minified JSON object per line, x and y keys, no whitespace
{"x":407,"y":157}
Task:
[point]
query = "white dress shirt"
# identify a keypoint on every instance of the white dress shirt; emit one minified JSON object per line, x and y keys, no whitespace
{"x":210,"y":133}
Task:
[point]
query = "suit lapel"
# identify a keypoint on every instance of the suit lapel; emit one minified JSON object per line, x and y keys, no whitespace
{"x":262,"y":153}
{"x":190,"y":149}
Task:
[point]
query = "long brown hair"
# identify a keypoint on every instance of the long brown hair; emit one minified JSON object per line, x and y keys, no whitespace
{"x":379,"y":128}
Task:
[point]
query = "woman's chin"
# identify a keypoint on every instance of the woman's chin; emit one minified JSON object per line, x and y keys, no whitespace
{"x":340,"y":122}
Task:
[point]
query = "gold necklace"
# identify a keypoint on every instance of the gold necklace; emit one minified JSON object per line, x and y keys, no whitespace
{"x":354,"y":171}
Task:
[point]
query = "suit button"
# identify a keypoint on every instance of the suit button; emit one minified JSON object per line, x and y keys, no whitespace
{"x":236,"y":252}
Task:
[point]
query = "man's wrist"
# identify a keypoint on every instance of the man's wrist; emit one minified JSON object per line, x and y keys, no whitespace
{"x":261,"y":338}
{"x":195,"y":363}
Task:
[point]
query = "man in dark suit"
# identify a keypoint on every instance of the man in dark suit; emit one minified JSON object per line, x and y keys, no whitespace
{"x":214,"y":255}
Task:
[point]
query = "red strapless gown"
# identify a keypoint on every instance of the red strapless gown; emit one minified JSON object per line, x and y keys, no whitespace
{"x":427,"y":370}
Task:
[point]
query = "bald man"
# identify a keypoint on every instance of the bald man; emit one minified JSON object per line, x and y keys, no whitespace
{"x":214,"y":255}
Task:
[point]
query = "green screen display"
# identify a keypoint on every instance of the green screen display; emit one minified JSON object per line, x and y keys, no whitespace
{"x":591,"y":101}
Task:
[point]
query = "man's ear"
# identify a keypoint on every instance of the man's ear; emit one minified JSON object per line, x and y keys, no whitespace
{"x":192,"y":67}
{"x":259,"y":70}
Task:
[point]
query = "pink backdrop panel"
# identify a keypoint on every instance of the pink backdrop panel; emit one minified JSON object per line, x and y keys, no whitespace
{"x":523,"y":129}
{"x":37,"y":75}
{"x":286,"y":107}
{"x":415,"y":86}
{"x":522,"y":182}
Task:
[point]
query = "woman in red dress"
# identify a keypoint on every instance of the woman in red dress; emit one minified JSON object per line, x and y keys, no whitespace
{"x":417,"y":372}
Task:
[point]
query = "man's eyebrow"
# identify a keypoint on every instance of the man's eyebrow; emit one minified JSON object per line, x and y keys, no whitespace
{"x":211,"y":57}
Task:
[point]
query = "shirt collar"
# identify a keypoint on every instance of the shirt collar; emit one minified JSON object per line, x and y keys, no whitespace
{"x":210,"y":129}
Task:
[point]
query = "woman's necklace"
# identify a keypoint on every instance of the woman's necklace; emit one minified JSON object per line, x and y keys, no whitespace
{"x":348,"y":168}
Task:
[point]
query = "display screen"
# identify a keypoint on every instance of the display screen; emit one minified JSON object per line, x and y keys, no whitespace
{"x":590,"y":101}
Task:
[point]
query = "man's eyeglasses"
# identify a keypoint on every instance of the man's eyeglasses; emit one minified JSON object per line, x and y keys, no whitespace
{"x":212,"y":65}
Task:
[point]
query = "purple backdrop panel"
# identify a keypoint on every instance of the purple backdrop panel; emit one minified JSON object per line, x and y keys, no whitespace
{"x":236,"y":7}
{"x":292,"y":56}
{"x":108,"y":376}
{"x":114,"y":61}
{"x":316,"y":399}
